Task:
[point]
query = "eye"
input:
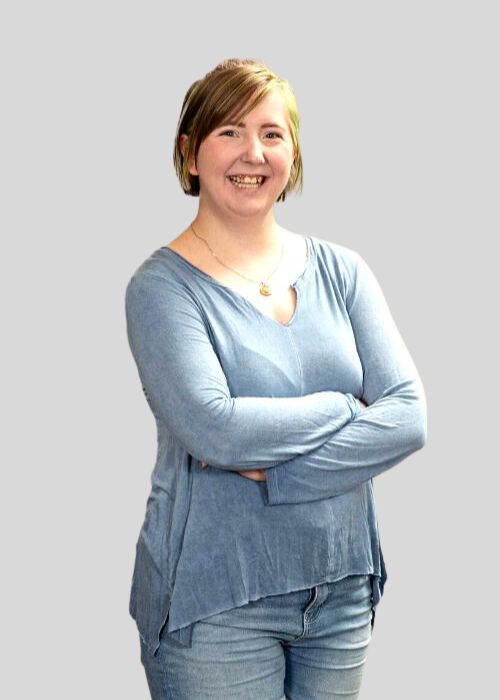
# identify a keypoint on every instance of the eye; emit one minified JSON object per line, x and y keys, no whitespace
{"x":269,"y":133}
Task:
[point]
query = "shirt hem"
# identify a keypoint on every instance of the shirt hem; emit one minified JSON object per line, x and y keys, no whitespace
{"x":184,"y":635}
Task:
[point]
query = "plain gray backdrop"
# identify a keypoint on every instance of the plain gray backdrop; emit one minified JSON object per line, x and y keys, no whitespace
{"x":399,"y":133}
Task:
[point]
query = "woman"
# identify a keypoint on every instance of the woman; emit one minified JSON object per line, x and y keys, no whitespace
{"x":280,"y":387}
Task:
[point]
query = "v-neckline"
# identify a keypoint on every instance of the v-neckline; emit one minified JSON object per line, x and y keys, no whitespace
{"x":297,"y":284}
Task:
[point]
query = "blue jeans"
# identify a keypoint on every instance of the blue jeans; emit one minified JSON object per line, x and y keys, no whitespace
{"x":303,"y":645}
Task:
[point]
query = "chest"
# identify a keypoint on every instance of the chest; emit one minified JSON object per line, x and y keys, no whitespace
{"x":260,"y":356}
{"x":279,"y":306}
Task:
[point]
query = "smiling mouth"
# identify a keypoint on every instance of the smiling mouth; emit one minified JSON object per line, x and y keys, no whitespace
{"x":247,"y":183}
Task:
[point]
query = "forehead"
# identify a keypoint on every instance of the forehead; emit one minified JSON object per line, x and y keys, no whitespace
{"x":271,"y":111}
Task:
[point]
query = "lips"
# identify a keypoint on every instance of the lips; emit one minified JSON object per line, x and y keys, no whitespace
{"x":241,"y":184}
{"x":246,"y":175}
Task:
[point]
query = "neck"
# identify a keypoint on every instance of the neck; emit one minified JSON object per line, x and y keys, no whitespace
{"x":238,"y":237}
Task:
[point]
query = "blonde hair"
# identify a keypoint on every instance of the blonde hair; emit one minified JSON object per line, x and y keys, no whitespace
{"x":217,"y":99}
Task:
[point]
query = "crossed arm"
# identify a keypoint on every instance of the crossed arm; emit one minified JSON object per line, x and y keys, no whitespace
{"x":312,"y":447}
{"x":260,"y":474}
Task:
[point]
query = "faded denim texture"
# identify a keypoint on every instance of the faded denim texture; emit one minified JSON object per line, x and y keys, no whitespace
{"x":305,"y":645}
{"x":233,"y":387}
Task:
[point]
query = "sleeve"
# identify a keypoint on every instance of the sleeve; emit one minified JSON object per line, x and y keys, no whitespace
{"x":186,"y":388}
{"x":389,"y":429}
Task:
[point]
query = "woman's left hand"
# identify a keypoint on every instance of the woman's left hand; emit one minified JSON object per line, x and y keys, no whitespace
{"x":253,"y":474}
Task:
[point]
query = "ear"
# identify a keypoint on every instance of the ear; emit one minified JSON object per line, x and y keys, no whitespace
{"x":183,"y":144}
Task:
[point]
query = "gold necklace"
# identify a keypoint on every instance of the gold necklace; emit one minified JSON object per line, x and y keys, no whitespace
{"x":264,"y":288}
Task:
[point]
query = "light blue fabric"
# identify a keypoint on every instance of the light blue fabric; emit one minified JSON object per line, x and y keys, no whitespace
{"x":231,"y":386}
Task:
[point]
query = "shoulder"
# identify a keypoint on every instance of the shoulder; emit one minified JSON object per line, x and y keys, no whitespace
{"x":157,"y":280}
{"x":325,"y":249}
{"x":158,"y":263}
{"x":158,"y":269}
{"x":339,"y":262}
{"x":335,"y":253}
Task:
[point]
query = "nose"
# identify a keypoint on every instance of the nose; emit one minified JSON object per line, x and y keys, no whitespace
{"x":253,"y":151}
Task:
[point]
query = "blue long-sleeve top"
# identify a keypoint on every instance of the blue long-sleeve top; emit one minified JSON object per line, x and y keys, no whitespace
{"x":231,"y":386}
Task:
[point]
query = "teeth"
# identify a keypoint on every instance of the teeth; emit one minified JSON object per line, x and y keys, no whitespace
{"x":246,"y":179}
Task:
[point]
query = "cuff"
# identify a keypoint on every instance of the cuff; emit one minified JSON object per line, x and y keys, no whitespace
{"x":271,"y":491}
{"x":353,"y":405}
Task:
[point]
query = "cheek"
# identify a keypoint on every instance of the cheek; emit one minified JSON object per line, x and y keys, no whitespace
{"x":283,"y":165}
{"x":285,"y":157}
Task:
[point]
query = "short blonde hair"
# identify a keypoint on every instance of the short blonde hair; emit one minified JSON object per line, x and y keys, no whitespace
{"x":217,"y":99}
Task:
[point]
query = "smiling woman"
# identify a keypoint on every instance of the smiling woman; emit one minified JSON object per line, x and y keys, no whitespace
{"x":218,"y":105}
{"x":242,"y":171}
{"x":280,"y":387}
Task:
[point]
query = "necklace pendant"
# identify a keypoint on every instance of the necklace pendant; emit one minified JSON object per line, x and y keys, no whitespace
{"x":264,"y":289}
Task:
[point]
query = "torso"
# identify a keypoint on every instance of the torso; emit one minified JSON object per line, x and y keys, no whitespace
{"x":280,"y":305}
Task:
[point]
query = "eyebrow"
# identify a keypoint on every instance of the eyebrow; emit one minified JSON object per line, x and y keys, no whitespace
{"x":262,"y":126}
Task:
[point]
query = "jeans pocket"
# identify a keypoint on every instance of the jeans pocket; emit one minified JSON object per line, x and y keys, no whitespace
{"x":350,"y":582}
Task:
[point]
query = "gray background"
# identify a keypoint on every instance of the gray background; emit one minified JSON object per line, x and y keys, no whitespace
{"x":400,"y":118}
